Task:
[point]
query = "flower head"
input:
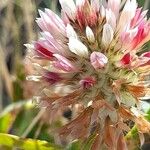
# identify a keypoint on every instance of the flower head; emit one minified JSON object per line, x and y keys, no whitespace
{"x":90,"y":57}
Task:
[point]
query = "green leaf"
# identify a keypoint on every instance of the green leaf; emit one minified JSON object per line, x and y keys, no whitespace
{"x":8,"y":115}
{"x":8,"y":141}
{"x":5,"y":122}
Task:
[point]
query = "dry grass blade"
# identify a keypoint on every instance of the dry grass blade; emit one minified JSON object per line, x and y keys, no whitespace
{"x":29,"y":13}
{"x":5,"y":74}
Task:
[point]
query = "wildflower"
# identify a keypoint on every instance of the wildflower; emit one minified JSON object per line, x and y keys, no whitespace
{"x":91,"y":58}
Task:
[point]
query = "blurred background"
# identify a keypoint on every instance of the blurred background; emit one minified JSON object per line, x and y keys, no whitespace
{"x":18,"y":115}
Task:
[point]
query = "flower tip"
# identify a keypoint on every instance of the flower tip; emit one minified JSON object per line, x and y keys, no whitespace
{"x":69,"y":8}
{"x":40,"y":12}
{"x":71,"y":32}
{"x":108,"y":34}
{"x":98,"y":60}
{"x":90,"y":34}
{"x":77,"y":47}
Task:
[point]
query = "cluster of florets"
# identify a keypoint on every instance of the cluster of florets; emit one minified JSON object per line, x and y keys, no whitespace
{"x":91,"y":59}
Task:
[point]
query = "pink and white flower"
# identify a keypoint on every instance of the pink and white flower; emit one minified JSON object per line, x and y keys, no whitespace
{"x":93,"y":53}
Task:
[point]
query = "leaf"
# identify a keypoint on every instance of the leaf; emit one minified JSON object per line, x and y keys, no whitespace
{"x":12,"y":142}
{"x":6,"y":122}
{"x":8,"y":115}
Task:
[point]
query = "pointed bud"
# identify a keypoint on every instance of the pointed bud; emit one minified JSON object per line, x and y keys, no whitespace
{"x":98,"y":60}
{"x":70,"y":32}
{"x":69,"y":8}
{"x":78,"y":47}
{"x":90,"y":34}
{"x":108,"y":34}
{"x":102,"y":11}
{"x":111,"y":18}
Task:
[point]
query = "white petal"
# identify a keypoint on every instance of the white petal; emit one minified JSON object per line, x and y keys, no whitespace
{"x":95,"y":4}
{"x":70,"y":32}
{"x":102,"y":11}
{"x":29,"y":46}
{"x":133,"y":32}
{"x":90,"y":34}
{"x":127,"y":14}
{"x":114,"y":5}
{"x":108,"y":34}
{"x":130,"y":7}
{"x":111,"y":18}
{"x":69,"y":8}
{"x":80,"y":2}
{"x":77,"y":47}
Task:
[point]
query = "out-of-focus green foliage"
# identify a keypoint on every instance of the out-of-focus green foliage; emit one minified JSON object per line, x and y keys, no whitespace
{"x":133,"y":137}
{"x":9,"y":114}
{"x":10,"y":142}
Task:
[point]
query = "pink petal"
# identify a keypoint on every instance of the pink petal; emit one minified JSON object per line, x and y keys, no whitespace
{"x":52,"y":77}
{"x":147,"y":54}
{"x":144,"y":59}
{"x":98,"y":60}
{"x":65,"y":18}
{"x":114,"y":5}
{"x":126,"y":59}
{"x":63,"y":63}
{"x":87,"y":82}
{"x":42,"y":52}
{"x":142,"y":35}
{"x":56,"y":20}
{"x":138,"y":18}
{"x":51,"y":23}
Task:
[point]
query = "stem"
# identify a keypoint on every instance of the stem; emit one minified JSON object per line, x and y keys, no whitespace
{"x":38,"y":130}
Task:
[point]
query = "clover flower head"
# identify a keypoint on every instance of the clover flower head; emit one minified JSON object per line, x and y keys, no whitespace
{"x":92,"y":57}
